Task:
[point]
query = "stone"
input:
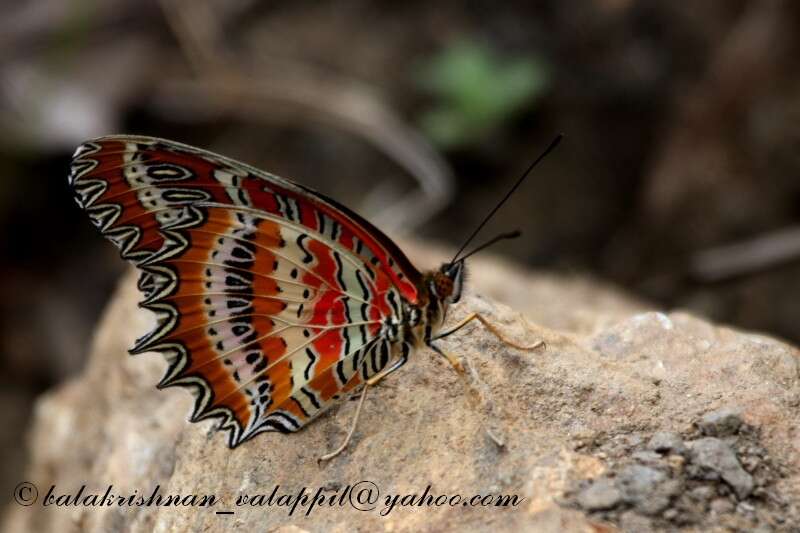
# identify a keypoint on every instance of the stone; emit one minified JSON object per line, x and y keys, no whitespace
{"x":667,"y":442}
{"x":602,"y":494}
{"x":670,"y":514}
{"x":605,"y":353}
{"x":702,"y":493}
{"x":715,"y":456}
{"x":631,"y":521}
{"x":647,"y":458}
{"x":721,"y":423}
{"x":647,"y":489}
{"x":722,"y":506}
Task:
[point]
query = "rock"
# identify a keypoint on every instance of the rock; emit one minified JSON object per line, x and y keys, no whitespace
{"x":602,"y":494}
{"x":667,"y":442}
{"x":647,"y":489}
{"x":702,"y":493}
{"x":631,"y":521}
{"x":647,"y":458}
{"x":721,"y":423}
{"x":610,"y":371}
{"x":675,"y":462}
{"x":290,"y":529}
{"x":713,"y":455}
{"x":636,"y":480}
{"x":722,"y":506}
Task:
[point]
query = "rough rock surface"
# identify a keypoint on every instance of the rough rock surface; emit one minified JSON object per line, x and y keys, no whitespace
{"x":603,"y":429}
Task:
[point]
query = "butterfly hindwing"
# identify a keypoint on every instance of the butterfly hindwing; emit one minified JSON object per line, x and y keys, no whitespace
{"x":270,"y":298}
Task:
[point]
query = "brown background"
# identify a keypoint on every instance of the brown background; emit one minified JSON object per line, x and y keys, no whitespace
{"x":681,"y":123}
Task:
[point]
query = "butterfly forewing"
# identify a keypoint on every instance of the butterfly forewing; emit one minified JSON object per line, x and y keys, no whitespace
{"x":270,"y":297}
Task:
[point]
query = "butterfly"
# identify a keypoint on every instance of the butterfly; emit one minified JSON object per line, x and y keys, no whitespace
{"x":272,"y":300}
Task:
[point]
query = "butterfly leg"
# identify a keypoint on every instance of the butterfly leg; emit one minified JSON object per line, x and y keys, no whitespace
{"x":493,"y":329}
{"x":472,"y":391}
{"x":400,"y":361}
{"x":369,"y":383}
{"x":452,"y":359}
{"x":343,"y":445}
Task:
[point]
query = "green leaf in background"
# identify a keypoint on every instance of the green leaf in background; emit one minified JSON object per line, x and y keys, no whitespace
{"x":476,"y":91}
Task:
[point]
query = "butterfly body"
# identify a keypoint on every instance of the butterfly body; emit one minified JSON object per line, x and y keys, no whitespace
{"x":273,"y":301}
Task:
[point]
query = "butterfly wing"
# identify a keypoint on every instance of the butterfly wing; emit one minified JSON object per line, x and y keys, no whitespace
{"x":270,"y":297}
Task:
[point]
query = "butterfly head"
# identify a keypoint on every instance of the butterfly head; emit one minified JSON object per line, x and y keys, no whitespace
{"x":448,"y":281}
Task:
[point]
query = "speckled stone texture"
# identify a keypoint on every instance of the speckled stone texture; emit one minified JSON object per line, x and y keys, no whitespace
{"x":614,"y":377}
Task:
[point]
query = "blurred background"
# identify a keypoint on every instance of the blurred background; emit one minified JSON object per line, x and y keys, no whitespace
{"x":677,"y":179}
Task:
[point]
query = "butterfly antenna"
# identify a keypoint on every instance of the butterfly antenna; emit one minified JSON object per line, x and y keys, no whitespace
{"x":507,"y":196}
{"x":503,"y":236}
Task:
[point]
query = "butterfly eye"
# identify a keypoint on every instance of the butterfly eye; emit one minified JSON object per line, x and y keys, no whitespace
{"x":457,"y":275}
{"x":448,"y":281}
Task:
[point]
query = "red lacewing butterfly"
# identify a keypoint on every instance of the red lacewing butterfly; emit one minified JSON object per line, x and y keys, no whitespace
{"x":272,"y":300}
